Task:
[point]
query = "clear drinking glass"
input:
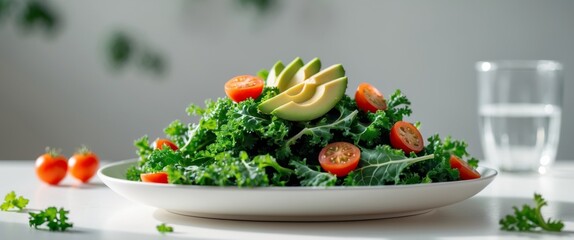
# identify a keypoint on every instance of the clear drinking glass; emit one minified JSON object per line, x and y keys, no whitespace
{"x":520,"y":106}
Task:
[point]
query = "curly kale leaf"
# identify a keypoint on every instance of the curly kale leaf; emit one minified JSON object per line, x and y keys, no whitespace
{"x":447,"y":147}
{"x":529,"y":219}
{"x":382,"y":165}
{"x":177,"y":131}
{"x":372,"y":129}
{"x":248,"y":127}
{"x":228,"y":126}
{"x":158,"y":159}
{"x":143,"y":147}
{"x":438,"y":169}
{"x":398,"y":106}
{"x":312,"y":178}
{"x":370,"y":132}
{"x":227,"y":169}
{"x":202,"y":134}
{"x":133,"y":174}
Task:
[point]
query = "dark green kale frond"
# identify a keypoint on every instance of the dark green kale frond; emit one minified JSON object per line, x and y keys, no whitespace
{"x":312,"y":178}
{"x":143,"y":147}
{"x":177,"y":132}
{"x":398,"y":106}
{"x":382,"y":166}
{"x":530,"y":219}
{"x":159,"y":159}
{"x":438,"y":169}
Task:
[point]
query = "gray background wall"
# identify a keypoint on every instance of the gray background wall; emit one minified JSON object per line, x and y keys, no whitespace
{"x":58,"y":91}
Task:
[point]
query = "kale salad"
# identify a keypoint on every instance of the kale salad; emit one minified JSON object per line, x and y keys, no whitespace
{"x":294,"y":125}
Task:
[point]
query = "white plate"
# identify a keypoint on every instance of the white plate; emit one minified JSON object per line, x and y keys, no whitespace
{"x":293,"y":203}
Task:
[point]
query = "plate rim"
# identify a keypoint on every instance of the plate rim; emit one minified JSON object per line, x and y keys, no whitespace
{"x":212,"y":203}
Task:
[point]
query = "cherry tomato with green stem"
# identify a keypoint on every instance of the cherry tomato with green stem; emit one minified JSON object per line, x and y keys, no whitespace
{"x":83,"y":165}
{"x":51,"y":167}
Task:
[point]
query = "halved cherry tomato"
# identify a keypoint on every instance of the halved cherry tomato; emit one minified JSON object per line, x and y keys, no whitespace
{"x":243,"y":87}
{"x":339,"y":158}
{"x":51,"y":167}
{"x":407,"y":137}
{"x":83,"y":165}
{"x":160,"y":142}
{"x":158,"y":177}
{"x":466,"y":171}
{"x":369,"y":99}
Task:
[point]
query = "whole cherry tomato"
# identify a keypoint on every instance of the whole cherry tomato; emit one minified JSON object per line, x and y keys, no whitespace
{"x":84,"y":164}
{"x":51,"y":167}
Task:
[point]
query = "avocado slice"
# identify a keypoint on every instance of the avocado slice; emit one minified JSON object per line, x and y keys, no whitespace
{"x":298,"y":93}
{"x":333,"y":72}
{"x":287,"y":74}
{"x":325,"y":98}
{"x":305,"y":72}
{"x":271,"y":80}
{"x":302,"y":91}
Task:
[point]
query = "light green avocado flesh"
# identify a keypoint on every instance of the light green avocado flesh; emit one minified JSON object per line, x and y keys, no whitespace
{"x":302,"y":91}
{"x":327,"y":74}
{"x":275,"y":71}
{"x":285,"y":76}
{"x":299,"y":93}
{"x":325,"y":98}
{"x":305,"y":72}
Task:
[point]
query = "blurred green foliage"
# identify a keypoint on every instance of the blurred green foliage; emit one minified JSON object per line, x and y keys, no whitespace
{"x":119,"y":49}
{"x":124,"y":49}
{"x":5,"y":7}
{"x":31,"y":14}
{"x":262,"y":6}
{"x":39,"y":14}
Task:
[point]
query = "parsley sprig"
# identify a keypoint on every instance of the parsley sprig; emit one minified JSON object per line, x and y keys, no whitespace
{"x":11,"y":201}
{"x":54,"y":218}
{"x":530,"y":219}
{"x":164,"y":228}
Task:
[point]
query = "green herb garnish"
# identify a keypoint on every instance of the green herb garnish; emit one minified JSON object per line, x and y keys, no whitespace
{"x":530,"y":219}
{"x":11,"y":201}
{"x":55,"y":219}
{"x":164,"y":228}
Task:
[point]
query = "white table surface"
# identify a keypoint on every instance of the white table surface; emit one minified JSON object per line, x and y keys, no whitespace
{"x":99,"y":213}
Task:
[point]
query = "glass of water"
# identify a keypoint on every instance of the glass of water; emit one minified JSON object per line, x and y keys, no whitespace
{"x":520,"y":106}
